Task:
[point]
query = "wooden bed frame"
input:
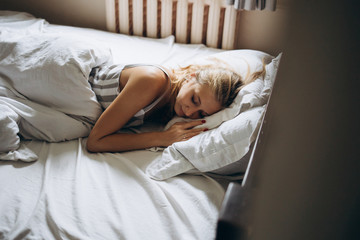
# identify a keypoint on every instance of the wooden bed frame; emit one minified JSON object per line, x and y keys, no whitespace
{"x":210,"y":22}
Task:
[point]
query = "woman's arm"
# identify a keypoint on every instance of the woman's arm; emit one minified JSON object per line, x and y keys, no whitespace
{"x":142,"y":87}
{"x":119,"y":142}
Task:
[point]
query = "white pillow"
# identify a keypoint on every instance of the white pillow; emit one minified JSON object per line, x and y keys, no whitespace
{"x":218,"y":149}
{"x":210,"y":150}
{"x":23,"y":21}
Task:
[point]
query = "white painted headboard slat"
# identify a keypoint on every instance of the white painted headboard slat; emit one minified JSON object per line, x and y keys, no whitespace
{"x":210,"y":22}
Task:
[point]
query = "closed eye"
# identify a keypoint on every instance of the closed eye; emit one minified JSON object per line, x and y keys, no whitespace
{"x":195,"y":100}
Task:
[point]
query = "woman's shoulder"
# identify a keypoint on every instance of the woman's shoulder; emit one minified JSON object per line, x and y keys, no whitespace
{"x":152,"y":75}
{"x":145,"y":79}
{"x":146,"y":75}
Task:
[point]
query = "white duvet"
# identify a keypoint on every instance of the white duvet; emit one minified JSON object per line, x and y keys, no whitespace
{"x":44,"y":89}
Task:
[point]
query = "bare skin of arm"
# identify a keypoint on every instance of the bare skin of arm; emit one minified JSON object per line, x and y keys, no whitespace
{"x":139,"y":89}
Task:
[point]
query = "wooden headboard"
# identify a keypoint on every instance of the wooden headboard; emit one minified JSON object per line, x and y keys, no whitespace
{"x":211,"y":22}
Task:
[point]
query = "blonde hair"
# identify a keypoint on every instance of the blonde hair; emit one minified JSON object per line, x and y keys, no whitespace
{"x":224,"y":82}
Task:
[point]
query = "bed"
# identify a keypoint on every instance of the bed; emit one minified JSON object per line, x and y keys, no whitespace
{"x":51,"y":187}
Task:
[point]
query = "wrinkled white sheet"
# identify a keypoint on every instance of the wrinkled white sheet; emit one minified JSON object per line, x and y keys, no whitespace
{"x":69,"y":193}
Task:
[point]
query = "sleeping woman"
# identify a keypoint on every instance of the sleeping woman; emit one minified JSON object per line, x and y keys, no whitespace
{"x":132,"y":94}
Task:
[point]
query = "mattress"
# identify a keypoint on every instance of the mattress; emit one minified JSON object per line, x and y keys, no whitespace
{"x":69,"y":193}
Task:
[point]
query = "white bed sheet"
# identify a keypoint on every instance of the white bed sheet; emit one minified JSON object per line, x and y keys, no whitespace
{"x":69,"y":193}
{"x":133,"y":49}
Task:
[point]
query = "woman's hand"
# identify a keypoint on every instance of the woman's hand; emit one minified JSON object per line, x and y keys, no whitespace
{"x":182,"y":131}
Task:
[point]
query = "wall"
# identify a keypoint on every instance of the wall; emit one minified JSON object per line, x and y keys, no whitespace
{"x":82,"y":13}
{"x":264,"y":30}
{"x":261,"y":30}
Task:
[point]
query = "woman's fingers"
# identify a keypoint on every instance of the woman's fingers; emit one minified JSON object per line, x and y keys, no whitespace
{"x":192,"y":133}
{"x":187,"y":136}
{"x":182,"y":131}
{"x":191,"y":124}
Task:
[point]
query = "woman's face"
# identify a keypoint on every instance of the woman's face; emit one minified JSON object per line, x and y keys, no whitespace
{"x":195,"y":100}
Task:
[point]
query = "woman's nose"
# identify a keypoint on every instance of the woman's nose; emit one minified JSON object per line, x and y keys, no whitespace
{"x":191,"y":112}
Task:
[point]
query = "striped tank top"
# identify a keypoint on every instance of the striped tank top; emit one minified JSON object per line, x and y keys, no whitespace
{"x":104,"y":81}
